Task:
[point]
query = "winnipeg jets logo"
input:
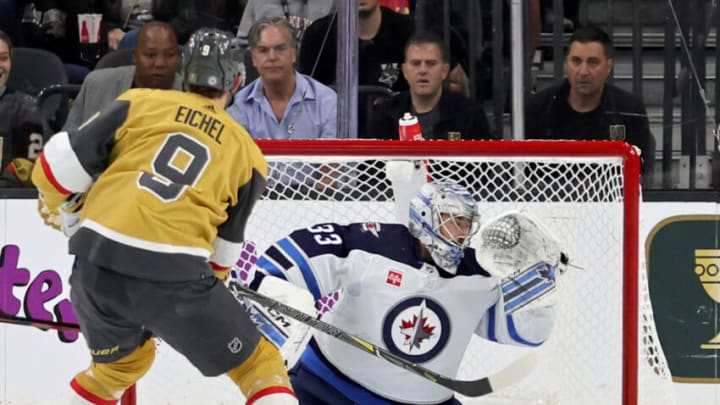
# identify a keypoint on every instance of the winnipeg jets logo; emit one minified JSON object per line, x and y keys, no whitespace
{"x":416,"y":329}
{"x":372,"y":227}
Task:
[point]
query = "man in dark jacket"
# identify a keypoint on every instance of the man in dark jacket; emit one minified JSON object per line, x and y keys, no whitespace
{"x":442,"y":114}
{"x":584,"y":106}
{"x":382,"y":34}
{"x":21,"y":138}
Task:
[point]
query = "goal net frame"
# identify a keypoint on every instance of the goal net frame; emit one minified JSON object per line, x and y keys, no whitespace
{"x":318,"y":151}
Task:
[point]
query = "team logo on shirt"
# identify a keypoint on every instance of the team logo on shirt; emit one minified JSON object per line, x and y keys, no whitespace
{"x":372,"y":227}
{"x":235,"y":345}
{"x":416,"y":329}
{"x":617,"y":132}
{"x":389,"y":74}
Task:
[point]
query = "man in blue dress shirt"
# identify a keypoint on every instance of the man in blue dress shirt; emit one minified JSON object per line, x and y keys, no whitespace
{"x":282,"y":103}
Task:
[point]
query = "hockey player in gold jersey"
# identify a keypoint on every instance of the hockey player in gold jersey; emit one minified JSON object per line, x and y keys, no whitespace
{"x":154,"y":192}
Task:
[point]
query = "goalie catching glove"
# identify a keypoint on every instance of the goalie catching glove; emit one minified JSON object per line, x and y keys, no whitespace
{"x":524,"y":253}
{"x":515,"y":241}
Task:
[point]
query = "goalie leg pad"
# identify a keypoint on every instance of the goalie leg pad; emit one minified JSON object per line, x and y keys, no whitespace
{"x":298,"y":298}
{"x":263,"y":378}
{"x":104,"y":383}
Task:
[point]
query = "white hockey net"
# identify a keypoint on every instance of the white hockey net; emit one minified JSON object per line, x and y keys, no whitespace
{"x":603,"y":350}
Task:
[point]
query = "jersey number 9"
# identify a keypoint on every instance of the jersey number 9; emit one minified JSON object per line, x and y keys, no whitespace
{"x":178,"y":164}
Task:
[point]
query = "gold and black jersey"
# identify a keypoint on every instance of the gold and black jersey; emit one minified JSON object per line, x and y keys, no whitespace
{"x":170,"y":178}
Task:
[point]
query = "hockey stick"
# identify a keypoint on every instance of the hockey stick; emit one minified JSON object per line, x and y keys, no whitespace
{"x":38,"y":323}
{"x":475,"y":388}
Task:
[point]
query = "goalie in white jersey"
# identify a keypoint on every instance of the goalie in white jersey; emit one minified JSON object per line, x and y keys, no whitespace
{"x":418,"y":291}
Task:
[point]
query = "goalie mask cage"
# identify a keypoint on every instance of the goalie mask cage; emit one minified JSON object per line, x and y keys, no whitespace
{"x":603,"y":349}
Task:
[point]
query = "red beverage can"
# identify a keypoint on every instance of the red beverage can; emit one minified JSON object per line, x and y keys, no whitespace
{"x":409,"y":128}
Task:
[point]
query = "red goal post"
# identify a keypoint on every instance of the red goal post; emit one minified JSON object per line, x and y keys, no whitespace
{"x":588,"y":192}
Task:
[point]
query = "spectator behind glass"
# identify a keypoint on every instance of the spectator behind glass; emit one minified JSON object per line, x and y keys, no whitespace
{"x":460,"y":32}
{"x":299,"y":13}
{"x":21,"y":138}
{"x":282,"y":103}
{"x":10,"y":16}
{"x":433,"y":19}
{"x":383,"y":34}
{"x":584,"y":106}
{"x":442,"y":114}
{"x":126,"y":17}
{"x":285,"y":104}
{"x":53,"y":25}
{"x":122,"y":16}
{"x":156,"y":58}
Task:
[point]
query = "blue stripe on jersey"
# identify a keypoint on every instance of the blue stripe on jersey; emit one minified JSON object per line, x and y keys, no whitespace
{"x":270,"y":268}
{"x":491,"y":324}
{"x":302,"y":264}
{"x":354,"y":392}
{"x":514,"y":334}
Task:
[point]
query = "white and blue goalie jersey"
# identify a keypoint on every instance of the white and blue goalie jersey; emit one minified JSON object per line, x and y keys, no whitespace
{"x":391,"y":298}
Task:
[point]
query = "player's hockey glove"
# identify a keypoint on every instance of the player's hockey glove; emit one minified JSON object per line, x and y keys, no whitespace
{"x":70,"y":213}
{"x":18,"y":172}
{"x":50,"y":216}
{"x":67,"y":217}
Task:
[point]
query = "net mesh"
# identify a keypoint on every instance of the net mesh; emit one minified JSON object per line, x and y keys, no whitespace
{"x":579,"y":200}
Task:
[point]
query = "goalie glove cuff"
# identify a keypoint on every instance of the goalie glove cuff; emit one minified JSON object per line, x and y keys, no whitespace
{"x":527,"y":286}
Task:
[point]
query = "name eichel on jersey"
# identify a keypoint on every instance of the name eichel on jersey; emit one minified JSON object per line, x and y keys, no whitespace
{"x":198,"y":119}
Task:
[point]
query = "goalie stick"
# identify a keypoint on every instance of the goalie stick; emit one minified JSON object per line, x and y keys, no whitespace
{"x":472,"y":388}
{"x":38,"y":323}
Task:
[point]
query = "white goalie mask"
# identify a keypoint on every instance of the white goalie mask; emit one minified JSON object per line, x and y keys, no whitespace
{"x":444,"y":217}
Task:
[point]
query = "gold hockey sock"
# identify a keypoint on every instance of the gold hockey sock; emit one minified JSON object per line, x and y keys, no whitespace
{"x":263,"y":372}
{"x":107,"y":381}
